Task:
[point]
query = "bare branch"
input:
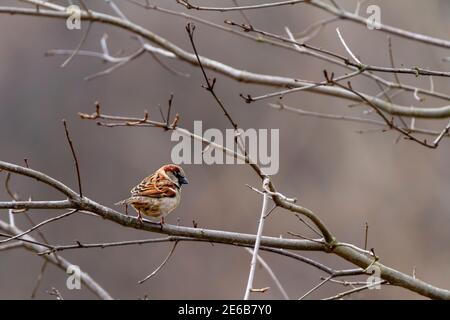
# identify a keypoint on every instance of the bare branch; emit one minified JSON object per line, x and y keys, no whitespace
{"x":18,"y":236}
{"x":40,"y":177}
{"x":346,"y":293}
{"x":74,"y":158}
{"x":39,"y":279}
{"x":19,"y":205}
{"x":431,"y":112}
{"x":188,"y":5}
{"x":382,"y":27}
{"x":347,"y":48}
{"x":412,"y":71}
{"x":444,"y":132}
{"x":80,"y":44}
{"x":347,"y":252}
{"x":271,"y":274}
{"x":257,"y":244}
{"x":61,"y":263}
{"x":301,"y":112}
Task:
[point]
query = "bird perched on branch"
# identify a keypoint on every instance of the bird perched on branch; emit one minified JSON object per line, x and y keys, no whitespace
{"x":159,"y":194}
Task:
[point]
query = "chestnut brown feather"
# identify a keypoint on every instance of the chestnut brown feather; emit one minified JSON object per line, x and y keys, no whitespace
{"x":159,"y":194}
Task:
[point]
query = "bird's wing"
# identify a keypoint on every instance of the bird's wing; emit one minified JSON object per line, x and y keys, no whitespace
{"x":155,"y":186}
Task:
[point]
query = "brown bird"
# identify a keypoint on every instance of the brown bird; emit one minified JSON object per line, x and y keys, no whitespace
{"x":159,"y":194}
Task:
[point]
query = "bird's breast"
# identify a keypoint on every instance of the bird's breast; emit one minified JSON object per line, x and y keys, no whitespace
{"x":156,"y":207}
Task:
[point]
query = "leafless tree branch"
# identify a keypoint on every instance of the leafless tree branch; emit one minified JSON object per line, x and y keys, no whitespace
{"x":240,"y":75}
{"x":61,"y":263}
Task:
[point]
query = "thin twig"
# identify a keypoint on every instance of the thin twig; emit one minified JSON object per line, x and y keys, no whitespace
{"x":391,"y":58}
{"x":346,"y":47}
{"x":346,"y":293}
{"x":168,"y":110}
{"x":271,"y":274}
{"x":31,"y":244}
{"x":119,"y":12}
{"x":282,"y":93}
{"x":335,"y":274}
{"x":366,"y":235}
{"x":315,"y":287}
{"x":188,"y":5}
{"x":444,"y":132}
{"x":7,"y":246}
{"x":350,"y":16}
{"x":301,"y":112}
{"x":40,"y":225}
{"x":390,"y":123}
{"x":161,"y":265}
{"x":308,"y":225}
{"x":340,"y":58}
{"x":39,"y":279}
{"x":74,"y":158}
{"x":78,"y":47}
{"x":242,"y":12}
{"x":209,"y":84}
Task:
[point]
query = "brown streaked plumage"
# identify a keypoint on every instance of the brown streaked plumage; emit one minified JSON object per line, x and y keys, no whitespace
{"x":159,"y":194}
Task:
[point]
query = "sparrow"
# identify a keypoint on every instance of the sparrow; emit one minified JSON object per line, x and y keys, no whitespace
{"x":159,"y":194}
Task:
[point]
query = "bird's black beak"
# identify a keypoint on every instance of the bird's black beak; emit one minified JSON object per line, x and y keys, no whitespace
{"x":183,"y":180}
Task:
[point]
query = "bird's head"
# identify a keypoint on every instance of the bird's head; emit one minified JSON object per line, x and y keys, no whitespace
{"x":175,"y":174}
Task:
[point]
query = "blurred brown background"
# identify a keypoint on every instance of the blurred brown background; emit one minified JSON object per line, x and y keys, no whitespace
{"x":401,"y":190}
